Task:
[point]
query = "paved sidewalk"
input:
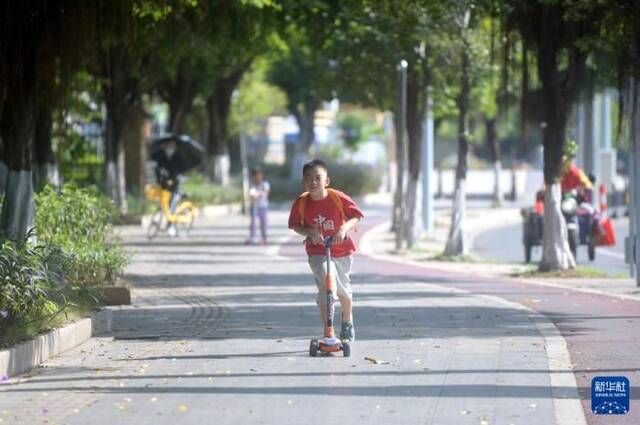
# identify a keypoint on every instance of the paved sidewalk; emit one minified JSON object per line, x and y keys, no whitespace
{"x":595,"y":319}
{"x":219,"y":333}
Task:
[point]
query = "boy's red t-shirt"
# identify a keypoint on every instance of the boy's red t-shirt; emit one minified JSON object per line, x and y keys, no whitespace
{"x":324,"y":214}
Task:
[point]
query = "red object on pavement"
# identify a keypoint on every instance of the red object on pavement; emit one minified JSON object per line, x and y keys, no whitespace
{"x":608,"y":237}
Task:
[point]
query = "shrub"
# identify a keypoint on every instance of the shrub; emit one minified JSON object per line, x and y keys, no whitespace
{"x":354,"y":179}
{"x":77,"y":221}
{"x":74,"y":249}
{"x":201,"y":191}
{"x":283,"y":189}
{"x":33,"y":286}
{"x":351,"y":178}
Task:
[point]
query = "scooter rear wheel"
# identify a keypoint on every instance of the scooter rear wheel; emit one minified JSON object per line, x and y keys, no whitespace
{"x":313,"y":348}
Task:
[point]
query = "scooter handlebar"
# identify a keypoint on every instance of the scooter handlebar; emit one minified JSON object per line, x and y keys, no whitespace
{"x":328,"y":240}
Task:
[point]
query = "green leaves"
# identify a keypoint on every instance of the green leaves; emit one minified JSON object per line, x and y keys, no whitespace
{"x":356,"y":129}
{"x":77,"y":221}
{"x":75,"y":249}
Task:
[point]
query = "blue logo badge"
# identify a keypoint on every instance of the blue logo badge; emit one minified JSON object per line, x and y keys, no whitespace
{"x":610,"y":395}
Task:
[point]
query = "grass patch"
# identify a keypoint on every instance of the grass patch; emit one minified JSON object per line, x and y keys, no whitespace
{"x":578,"y":272}
{"x":455,"y":258}
{"x":425,"y":250}
{"x":32,"y":327}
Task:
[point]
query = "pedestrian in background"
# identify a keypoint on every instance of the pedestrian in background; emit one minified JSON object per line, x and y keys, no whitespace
{"x":259,"y":198}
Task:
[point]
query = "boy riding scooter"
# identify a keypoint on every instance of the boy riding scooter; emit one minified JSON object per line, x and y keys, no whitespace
{"x":319,"y":213}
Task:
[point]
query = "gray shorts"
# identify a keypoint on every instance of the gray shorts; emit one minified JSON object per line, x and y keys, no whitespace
{"x":341,"y":269}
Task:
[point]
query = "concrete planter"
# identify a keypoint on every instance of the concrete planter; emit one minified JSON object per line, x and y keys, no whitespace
{"x":113,"y":295}
{"x":30,"y":354}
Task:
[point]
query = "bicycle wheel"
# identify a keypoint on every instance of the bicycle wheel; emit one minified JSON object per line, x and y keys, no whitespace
{"x":187,"y":219}
{"x":154,"y":225}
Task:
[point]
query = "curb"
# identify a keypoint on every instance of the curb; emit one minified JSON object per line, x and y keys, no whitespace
{"x":27,"y":355}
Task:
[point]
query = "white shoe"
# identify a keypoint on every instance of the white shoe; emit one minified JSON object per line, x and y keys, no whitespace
{"x":172,"y":231}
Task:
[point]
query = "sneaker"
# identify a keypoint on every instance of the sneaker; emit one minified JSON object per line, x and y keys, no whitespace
{"x":173,"y":230}
{"x":347,"y":332}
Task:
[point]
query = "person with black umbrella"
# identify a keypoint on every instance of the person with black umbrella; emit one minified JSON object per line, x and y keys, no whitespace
{"x":169,"y":166}
{"x":174,"y":155}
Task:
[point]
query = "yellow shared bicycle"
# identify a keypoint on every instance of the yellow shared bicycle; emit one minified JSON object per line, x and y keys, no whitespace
{"x":163,"y":219}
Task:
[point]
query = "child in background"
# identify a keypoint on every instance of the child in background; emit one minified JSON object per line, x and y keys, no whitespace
{"x":259,"y":197}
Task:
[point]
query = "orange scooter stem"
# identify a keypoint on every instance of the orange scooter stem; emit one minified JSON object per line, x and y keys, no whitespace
{"x":330,"y":343}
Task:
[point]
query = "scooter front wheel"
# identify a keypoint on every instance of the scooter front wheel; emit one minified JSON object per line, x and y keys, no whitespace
{"x":346,"y":349}
{"x":313,"y":347}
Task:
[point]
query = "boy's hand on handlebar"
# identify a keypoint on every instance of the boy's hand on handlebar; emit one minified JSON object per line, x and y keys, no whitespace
{"x":340,"y":235}
{"x":316,"y":237}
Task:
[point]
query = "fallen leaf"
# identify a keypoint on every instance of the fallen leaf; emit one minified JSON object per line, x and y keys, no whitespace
{"x":182,"y":408}
{"x":375,"y":361}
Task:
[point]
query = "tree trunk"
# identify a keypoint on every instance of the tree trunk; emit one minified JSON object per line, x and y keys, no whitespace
{"x":456,"y":243}
{"x":305,"y":117}
{"x":524,"y":101}
{"x":218,"y":147}
{"x":555,"y":246}
{"x":415,"y":115}
{"x":180,"y":100}
{"x":45,"y":168}
{"x":218,"y":109}
{"x":17,"y":121}
{"x":555,"y":249}
{"x":17,"y":130}
{"x":494,"y":150}
{"x":114,"y":157}
{"x":120,"y":92}
{"x":4,"y":173}
{"x":135,"y":149}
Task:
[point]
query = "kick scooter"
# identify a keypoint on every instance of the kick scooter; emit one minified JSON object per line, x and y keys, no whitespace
{"x":329,"y":343}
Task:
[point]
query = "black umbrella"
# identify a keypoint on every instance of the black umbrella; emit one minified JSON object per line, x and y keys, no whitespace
{"x":188,"y":154}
